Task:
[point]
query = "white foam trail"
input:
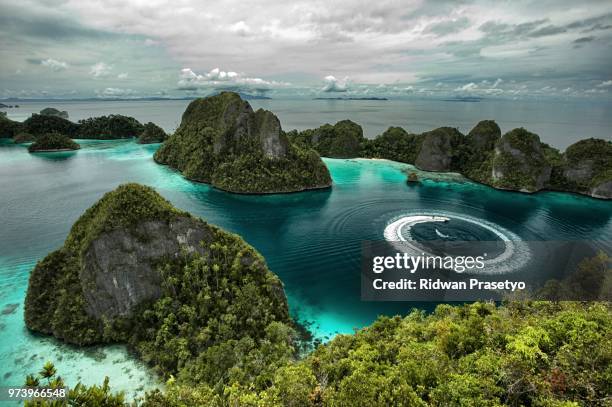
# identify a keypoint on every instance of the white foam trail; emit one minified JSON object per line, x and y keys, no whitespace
{"x":515,"y":255}
{"x":440,"y":234}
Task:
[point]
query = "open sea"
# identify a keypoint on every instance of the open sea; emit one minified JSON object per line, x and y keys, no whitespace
{"x":311,"y":240}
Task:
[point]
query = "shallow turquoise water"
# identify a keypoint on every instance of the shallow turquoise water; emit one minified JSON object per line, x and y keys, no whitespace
{"x":311,"y":240}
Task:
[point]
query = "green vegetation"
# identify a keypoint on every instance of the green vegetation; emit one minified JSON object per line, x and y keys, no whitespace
{"x":517,"y":354}
{"x":342,"y":140}
{"x":53,"y":142}
{"x":152,"y":133}
{"x":394,"y":144}
{"x":105,"y":127}
{"x":585,"y":165}
{"x":114,"y":126}
{"x":39,"y":124}
{"x":519,"y":162}
{"x":220,"y":332}
{"x":8,"y":127}
{"x":78,"y":396}
{"x":23,"y":138}
{"x":221,"y":141}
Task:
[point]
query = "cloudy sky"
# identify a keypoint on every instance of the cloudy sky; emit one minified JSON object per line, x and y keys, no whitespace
{"x":133,"y":48}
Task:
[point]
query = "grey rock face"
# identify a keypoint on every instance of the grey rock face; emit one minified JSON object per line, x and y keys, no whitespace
{"x":523,"y":168}
{"x":603,"y":190}
{"x":436,"y":151}
{"x":485,"y":134}
{"x":268,"y":129}
{"x":118,"y":270}
{"x":579,"y":172}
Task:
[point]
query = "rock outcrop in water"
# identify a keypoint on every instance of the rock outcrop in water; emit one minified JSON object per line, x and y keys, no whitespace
{"x":102,"y":128}
{"x":586,"y":167}
{"x":135,"y":269}
{"x":51,"y":111}
{"x":438,"y":148}
{"x":519,"y":162}
{"x":152,"y":133}
{"x":341,"y":140}
{"x":114,"y":126}
{"x":223,"y":142}
{"x":52,"y":142}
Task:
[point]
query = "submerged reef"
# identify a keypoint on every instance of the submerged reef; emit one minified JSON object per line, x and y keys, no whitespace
{"x":223,"y":142}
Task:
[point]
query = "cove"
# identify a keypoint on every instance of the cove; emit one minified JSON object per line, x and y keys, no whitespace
{"x":311,"y":240}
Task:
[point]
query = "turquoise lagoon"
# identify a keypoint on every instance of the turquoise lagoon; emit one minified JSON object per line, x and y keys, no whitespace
{"x":311,"y":240}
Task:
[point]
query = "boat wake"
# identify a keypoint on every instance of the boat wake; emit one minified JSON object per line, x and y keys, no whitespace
{"x":515,"y":252}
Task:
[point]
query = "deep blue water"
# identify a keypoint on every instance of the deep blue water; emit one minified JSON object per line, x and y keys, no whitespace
{"x":311,"y":240}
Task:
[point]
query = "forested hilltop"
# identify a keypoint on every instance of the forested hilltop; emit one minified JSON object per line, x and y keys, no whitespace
{"x":114,"y":126}
{"x":200,"y":306}
{"x":223,"y":142}
{"x":516,"y":161}
{"x":518,"y":354}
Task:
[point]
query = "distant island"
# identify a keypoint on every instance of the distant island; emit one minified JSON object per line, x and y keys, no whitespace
{"x":352,"y":98}
{"x":223,"y":142}
{"x":51,"y":111}
{"x":464,"y":99}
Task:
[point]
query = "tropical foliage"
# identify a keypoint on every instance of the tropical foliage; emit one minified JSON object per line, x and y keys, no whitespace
{"x":52,"y":142}
{"x":341,"y":140}
{"x":114,"y":126}
{"x":517,"y":354}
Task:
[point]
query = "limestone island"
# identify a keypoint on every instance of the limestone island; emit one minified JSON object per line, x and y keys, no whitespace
{"x":99,"y":128}
{"x":179,"y":291}
{"x":516,"y":161}
{"x":53,"y":142}
{"x":152,"y":133}
{"x":223,"y":142}
{"x":51,"y":111}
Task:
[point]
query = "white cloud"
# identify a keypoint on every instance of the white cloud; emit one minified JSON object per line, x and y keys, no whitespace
{"x":497,"y":83}
{"x":332,"y":84}
{"x":115,"y":92}
{"x":240,"y":28}
{"x":216,"y":78}
{"x":54,"y":64}
{"x":468,"y":87}
{"x":123,"y":75}
{"x":100,"y":70}
{"x":605,"y":84}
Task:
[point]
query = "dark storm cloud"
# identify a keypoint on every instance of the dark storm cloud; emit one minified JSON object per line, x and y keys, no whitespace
{"x":583,"y":40}
{"x":43,"y":25}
